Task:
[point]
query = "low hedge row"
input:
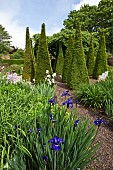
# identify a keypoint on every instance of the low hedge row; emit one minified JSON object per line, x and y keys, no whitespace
{"x":13,"y":61}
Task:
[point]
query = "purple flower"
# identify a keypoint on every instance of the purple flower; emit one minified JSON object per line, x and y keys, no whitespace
{"x":65,"y":93}
{"x":76,"y":101}
{"x":68,"y":102}
{"x":45,"y":158}
{"x":55,"y":147}
{"x":76,"y":122}
{"x":56,"y":141}
{"x":51,"y":116}
{"x":38,"y":130}
{"x":99,"y":121}
{"x":52,"y":101}
{"x":30,"y":130}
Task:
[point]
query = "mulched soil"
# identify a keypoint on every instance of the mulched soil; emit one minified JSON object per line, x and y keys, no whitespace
{"x":104,"y":155}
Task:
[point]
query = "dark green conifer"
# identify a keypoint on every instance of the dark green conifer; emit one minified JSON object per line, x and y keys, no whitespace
{"x":27,"y":68}
{"x":78,"y":73}
{"x":60,"y":60}
{"x":101,"y":59}
{"x":90,"y":58}
{"x":67,"y":59}
{"x":43,"y":57}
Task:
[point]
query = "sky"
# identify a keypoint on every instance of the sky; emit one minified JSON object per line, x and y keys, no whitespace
{"x":16,"y":15}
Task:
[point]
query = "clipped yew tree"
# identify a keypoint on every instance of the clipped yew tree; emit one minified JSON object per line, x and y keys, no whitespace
{"x":67,"y":59}
{"x":27,"y":74}
{"x":101,"y":59}
{"x":90,"y":58}
{"x":60,"y":60}
{"x":43,"y":62}
{"x":78,"y":73}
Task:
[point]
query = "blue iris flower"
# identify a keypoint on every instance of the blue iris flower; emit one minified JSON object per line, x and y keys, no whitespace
{"x":30,"y":130}
{"x":65,"y":93}
{"x":51,"y":116}
{"x":56,"y":141}
{"x":68,"y":102}
{"x":99,"y":121}
{"x":76,"y":122}
{"x":45,"y":158}
{"x":55,"y":147}
{"x":52,"y":101}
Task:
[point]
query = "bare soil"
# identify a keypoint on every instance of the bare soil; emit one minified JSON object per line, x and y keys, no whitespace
{"x":104,"y":160}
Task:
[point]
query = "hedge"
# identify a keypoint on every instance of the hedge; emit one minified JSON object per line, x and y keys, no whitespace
{"x":13,"y":61}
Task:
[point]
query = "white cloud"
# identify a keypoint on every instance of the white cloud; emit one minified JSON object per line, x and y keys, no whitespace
{"x":82,"y":2}
{"x":8,"y":20}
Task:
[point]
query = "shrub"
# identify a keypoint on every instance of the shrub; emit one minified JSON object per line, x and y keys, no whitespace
{"x":43,"y":58}
{"x":67,"y":59}
{"x":101,"y":59}
{"x":60,"y":61}
{"x":90,"y":58}
{"x":28,"y":59}
{"x":13,"y":61}
{"x":78,"y":73}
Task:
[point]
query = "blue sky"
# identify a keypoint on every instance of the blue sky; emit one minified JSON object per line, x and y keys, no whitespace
{"x":16,"y":15}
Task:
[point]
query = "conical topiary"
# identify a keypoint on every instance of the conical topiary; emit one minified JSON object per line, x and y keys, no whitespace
{"x":78,"y":73}
{"x":27,"y":68}
{"x":101,"y":59}
{"x":43,"y":58}
{"x":67,"y":59}
{"x":90,"y":58}
{"x":60,"y":60}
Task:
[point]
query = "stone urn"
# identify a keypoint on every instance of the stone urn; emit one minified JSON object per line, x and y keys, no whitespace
{"x":110,"y":61}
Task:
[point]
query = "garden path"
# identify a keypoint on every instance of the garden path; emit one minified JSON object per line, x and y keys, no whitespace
{"x":104,"y":155}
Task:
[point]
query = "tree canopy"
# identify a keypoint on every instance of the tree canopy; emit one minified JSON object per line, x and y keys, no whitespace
{"x":4,"y":40}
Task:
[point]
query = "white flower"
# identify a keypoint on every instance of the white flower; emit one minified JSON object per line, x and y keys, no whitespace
{"x":54,"y":74}
{"x":47,"y":71}
{"x":53,"y":81}
{"x":48,"y":76}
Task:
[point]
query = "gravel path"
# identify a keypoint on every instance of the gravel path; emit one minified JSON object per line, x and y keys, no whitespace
{"x":104,"y":155}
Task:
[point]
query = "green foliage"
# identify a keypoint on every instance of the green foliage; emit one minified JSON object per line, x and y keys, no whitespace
{"x":67,"y":59}
{"x":43,"y":58}
{"x":101,"y":59}
{"x":4,"y":40}
{"x":19,"y":54}
{"x":60,"y":61}
{"x":78,"y":72}
{"x":13,"y":61}
{"x":28,"y":59}
{"x":90,"y":58}
{"x":98,"y":95}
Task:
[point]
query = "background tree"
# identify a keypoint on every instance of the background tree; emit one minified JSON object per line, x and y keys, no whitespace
{"x":18,"y":54}
{"x":60,"y":60}
{"x":67,"y":59}
{"x":78,"y":73}
{"x":4,"y":40}
{"x":101,"y":59}
{"x":104,"y":19}
{"x":27,"y":68}
{"x":43,"y":57}
{"x":90,"y":58}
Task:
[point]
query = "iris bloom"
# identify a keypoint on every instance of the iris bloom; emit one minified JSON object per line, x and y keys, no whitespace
{"x":68,"y":102}
{"x":45,"y":158}
{"x":76,"y":122}
{"x":30,"y":130}
{"x":99,"y":121}
{"x":65,"y":93}
{"x":52,"y":101}
{"x":56,"y":141}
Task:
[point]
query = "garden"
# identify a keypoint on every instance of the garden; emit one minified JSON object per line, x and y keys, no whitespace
{"x":56,"y":99}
